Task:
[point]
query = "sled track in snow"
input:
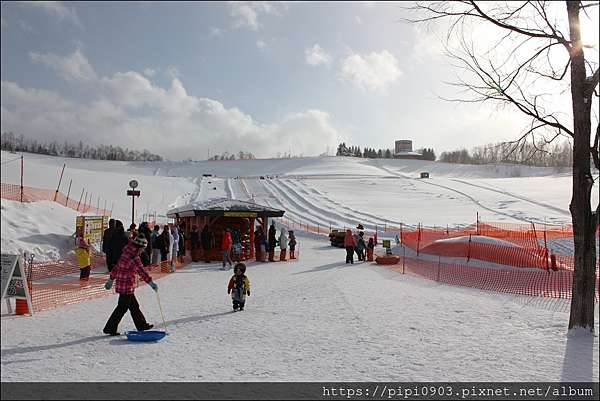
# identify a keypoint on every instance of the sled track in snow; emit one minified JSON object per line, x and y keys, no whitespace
{"x":291,"y":204}
{"x":198,"y":183}
{"x":291,"y":213}
{"x":366,"y":216}
{"x":318,"y":206}
{"x":228,"y":190}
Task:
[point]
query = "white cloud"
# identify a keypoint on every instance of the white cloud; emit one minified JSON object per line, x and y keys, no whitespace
{"x":72,"y":68}
{"x":261,"y":44}
{"x":216,"y":32}
{"x":129,"y":110}
{"x":173,"y":72}
{"x":56,"y":9}
{"x":374,"y":71}
{"x":245,"y":14}
{"x":316,"y":56}
{"x":358,"y":20}
{"x":149,"y":72}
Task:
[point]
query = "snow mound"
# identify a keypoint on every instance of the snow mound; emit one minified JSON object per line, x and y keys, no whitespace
{"x":45,"y":229}
{"x":481,"y":239}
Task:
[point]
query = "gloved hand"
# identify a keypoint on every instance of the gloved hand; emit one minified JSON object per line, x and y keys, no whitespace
{"x":248,"y":292}
{"x":108,"y":284}
{"x":153,"y":285}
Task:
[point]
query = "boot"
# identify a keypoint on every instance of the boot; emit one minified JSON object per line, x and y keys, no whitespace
{"x":282,"y":255}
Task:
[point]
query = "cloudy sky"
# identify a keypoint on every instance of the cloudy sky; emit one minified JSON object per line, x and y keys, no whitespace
{"x":193,"y":79}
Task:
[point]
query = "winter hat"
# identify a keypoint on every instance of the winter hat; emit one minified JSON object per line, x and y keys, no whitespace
{"x":140,"y":241}
{"x":360,"y":227}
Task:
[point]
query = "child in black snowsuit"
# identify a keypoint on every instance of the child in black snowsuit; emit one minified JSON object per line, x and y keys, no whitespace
{"x":239,"y":287}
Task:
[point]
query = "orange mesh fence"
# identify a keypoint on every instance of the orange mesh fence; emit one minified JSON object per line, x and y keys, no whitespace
{"x":56,"y":284}
{"x":538,"y":283}
{"x":32,"y":194}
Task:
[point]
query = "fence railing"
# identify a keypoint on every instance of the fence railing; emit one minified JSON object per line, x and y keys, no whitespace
{"x":31,"y":194}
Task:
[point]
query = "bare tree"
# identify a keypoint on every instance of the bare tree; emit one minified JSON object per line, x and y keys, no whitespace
{"x":539,"y":56}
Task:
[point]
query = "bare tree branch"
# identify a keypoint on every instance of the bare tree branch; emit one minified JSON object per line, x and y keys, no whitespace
{"x":591,"y":83}
{"x":594,"y":149}
{"x":522,"y":31}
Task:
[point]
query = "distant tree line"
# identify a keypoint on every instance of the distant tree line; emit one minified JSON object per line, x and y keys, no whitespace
{"x":355,"y":151}
{"x":12,"y":143}
{"x":240,"y":156}
{"x":540,"y":154}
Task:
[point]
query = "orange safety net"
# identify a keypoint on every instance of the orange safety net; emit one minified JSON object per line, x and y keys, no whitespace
{"x":31,"y":194}
{"x":57,"y":283}
{"x":538,"y":283}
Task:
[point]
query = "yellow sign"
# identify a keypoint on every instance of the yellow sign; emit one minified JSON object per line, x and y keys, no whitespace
{"x":91,"y":228}
{"x":239,"y":214}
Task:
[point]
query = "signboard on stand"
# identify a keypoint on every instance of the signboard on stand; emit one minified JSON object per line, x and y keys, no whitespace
{"x":14,"y":280}
{"x":91,"y":228}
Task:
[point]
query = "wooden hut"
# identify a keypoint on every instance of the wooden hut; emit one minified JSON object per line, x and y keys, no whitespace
{"x":221,"y":213}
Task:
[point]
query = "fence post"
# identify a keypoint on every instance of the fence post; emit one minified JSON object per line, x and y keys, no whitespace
{"x":438,"y":269}
{"x":81,"y":196}
{"x":469,"y":249}
{"x":418,"y":239}
{"x":59,"y":181}
{"x":84,"y":202}
{"x":98,"y":205}
{"x":21,"y":178}
{"x":401,"y":241}
{"x":68,"y":193}
{"x":318,"y":229}
{"x":403,"y":258}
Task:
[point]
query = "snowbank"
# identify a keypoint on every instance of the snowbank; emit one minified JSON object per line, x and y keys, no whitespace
{"x":45,"y":229}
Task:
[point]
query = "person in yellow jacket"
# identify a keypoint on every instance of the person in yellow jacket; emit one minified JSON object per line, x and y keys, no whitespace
{"x":239,"y":287}
{"x":82,"y":253}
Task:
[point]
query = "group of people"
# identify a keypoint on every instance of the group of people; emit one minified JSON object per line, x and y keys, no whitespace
{"x":265,"y":246}
{"x":127,"y":252}
{"x":123,"y":274}
{"x":355,"y":242}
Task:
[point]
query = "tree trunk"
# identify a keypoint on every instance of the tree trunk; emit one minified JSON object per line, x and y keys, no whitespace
{"x":584,"y":224}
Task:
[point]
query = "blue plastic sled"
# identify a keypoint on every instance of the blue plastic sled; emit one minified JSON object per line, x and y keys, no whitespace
{"x":145,"y":336}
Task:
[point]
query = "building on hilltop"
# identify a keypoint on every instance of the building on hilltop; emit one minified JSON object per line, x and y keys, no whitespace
{"x":403,"y":150}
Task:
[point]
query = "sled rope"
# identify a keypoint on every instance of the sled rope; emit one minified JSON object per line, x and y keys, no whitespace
{"x":161,"y":312}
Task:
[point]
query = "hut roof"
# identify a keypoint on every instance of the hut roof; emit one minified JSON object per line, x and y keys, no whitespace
{"x":224,"y":207}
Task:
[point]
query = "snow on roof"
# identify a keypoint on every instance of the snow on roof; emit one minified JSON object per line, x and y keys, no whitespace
{"x":217,"y":205}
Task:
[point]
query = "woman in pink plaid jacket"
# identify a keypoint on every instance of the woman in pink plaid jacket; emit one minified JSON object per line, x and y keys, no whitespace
{"x":124,"y":273}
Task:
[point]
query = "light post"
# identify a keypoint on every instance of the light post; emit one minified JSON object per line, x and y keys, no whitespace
{"x":133,"y":193}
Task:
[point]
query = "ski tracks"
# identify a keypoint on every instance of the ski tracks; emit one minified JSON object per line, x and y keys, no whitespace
{"x":526,"y":219}
{"x":503,"y":192}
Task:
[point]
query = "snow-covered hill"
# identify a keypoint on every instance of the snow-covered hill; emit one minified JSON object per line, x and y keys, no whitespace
{"x":316,"y":319}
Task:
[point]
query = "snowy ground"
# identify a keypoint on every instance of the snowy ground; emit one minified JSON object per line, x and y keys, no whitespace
{"x":316,"y":319}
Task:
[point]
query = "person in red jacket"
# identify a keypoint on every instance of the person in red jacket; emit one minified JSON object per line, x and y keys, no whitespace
{"x":226,"y":244}
{"x":124,"y":274}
